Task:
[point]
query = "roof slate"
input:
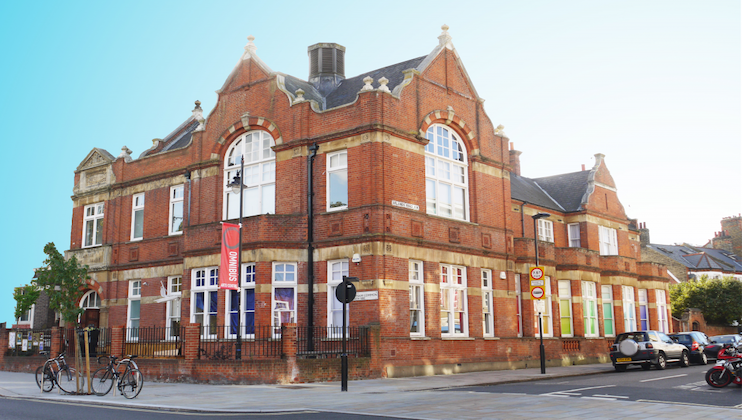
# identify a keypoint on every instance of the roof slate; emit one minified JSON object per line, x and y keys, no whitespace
{"x":526,"y":189}
{"x":566,"y":189}
{"x":700,"y":258}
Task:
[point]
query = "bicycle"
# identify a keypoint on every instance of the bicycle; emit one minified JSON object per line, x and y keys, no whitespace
{"x":129,"y":382}
{"x":57,"y":371}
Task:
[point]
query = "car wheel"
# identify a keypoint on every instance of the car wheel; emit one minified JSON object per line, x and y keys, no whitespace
{"x":704,"y":359}
{"x":661,"y":362}
{"x":646,"y":366}
{"x":684,"y":359}
{"x":620,"y":368}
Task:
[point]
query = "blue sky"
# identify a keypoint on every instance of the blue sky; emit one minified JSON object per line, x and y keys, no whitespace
{"x":655,"y":86}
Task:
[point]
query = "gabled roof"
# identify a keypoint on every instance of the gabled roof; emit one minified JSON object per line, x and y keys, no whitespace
{"x":526,"y":189}
{"x":567,"y":189}
{"x":699,"y":258}
{"x":177,"y":139}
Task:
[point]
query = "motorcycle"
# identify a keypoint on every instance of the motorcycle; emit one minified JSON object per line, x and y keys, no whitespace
{"x":728,"y":368}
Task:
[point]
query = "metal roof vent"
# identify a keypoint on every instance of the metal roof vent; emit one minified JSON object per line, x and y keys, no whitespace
{"x":326,"y":66}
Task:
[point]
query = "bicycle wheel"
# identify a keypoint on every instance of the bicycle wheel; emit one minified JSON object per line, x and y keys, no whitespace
{"x":48,"y":379}
{"x":131,"y":383}
{"x":102,"y":381}
{"x":67,"y":380}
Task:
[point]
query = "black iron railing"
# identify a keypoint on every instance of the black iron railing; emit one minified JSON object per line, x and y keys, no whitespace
{"x":327,"y":341}
{"x":219,"y":342}
{"x":154,"y":342}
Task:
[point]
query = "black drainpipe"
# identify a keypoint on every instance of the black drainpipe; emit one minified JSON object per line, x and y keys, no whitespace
{"x":522,"y":222}
{"x":188,"y":178}
{"x":310,"y":246}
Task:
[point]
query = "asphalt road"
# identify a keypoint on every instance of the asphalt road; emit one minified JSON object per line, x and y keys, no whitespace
{"x":673,"y":385}
{"x":27,"y":409}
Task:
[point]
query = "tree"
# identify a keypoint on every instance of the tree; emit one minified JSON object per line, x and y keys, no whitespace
{"x":720,"y":300}
{"x":64,"y":281}
{"x":24,"y":297}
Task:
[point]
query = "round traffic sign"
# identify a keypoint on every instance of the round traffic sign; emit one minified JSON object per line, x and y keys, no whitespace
{"x":537,"y":292}
{"x":537,"y":273}
{"x":345,"y":292}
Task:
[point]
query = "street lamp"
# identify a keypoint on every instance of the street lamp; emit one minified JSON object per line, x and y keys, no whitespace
{"x":540,"y":326}
{"x":237,"y":186}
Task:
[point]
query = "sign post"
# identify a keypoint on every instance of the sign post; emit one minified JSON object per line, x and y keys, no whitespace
{"x":345,"y":293}
{"x":538,"y":292}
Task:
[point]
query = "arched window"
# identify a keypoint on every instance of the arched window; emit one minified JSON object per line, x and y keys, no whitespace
{"x":90,"y":300}
{"x":446,"y":174}
{"x":259,"y":178}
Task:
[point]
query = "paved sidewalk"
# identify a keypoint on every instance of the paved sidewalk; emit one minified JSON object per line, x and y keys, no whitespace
{"x":390,"y":397}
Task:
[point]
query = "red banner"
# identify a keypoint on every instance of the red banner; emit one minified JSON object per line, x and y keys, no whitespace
{"x":229,"y":273}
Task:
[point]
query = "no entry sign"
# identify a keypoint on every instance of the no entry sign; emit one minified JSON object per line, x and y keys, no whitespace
{"x":537,"y":282}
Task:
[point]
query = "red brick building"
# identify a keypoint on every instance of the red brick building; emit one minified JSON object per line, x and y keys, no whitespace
{"x":407,"y":174}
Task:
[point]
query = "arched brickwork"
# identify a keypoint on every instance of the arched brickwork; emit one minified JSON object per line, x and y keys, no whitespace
{"x":450,"y":119}
{"x":252,"y":123}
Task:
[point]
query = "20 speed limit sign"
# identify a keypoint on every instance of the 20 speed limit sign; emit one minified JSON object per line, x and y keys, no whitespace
{"x":537,"y":282}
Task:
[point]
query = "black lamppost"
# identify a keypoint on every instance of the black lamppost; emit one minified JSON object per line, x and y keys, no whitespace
{"x":540,"y":326}
{"x":236,"y":186}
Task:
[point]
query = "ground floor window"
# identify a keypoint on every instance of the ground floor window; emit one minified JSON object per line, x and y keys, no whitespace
{"x":565,"y":307}
{"x":453,"y":303}
{"x":543,"y":307}
{"x":606,"y":293}
{"x":590,"y":308}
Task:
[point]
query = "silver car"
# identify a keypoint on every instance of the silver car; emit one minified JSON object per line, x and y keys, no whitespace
{"x":647,"y":348}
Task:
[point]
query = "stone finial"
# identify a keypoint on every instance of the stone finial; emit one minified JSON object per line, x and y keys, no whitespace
{"x":198,"y":115}
{"x":444,"y":38}
{"x":382,"y":82}
{"x":498,"y":130}
{"x":299,"y":96}
{"x":250,"y":47}
{"x":125,"y":154}
{"x":367,"y":80}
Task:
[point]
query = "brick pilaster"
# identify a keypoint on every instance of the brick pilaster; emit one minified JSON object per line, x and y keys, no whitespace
{"x":57,"y":339}
{"x":288,"y":340}
{"x":4,"y":332}
{"x":192,"y":341}
{"x":117,"y":341}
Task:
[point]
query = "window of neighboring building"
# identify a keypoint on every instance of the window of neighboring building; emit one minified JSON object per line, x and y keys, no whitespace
{"x":248,"y":304}
{"x":137,"y":217}
{"x":608,"y":241}
{"x":259,"y":194}
{"x":454,"y":311}
{"x":93,"y":225}
{"x":335,"y":272}
{"x":132,"y":321}
{"x":176,"y":210}
{"x":284,"y":295}
{"x":629,"y":308}
{"x":519,"y":305}
{"x":565,"y":307}
{"x":446,"y":174}
{"x":172,"y":310}
{"x":488,"y":319}
{"x":337,"y":180}
{"x":27,"y":317}
{"x":662,"y":311}
{"x":417,"y":299}
{"x":204,"y":284}
{"x":606,"y":294}
{"x":643,"y":310}
{"x":543,"y":306}
{"x":545,"y":230}
{"x":573,"y":231}
{"x":590,"y":308}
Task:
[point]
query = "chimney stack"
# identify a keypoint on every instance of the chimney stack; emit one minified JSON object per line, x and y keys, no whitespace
{"x":514,"y":159}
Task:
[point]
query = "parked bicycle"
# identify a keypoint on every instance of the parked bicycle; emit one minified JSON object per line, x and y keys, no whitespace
{"x":56,"y":371}
{"x":129,"y":382}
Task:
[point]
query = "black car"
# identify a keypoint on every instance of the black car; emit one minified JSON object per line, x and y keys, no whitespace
{"x":718,"y":341}
{"x":696,"y":342}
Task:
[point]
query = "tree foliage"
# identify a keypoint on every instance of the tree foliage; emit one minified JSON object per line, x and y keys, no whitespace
{"x":64,"y":282}
{"x":720,"y":300}
{"x":24,"y":297}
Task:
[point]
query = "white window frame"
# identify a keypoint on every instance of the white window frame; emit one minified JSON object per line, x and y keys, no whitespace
{"x":453,"y":284}
{"x":488,"y":311}
{"x":284,"y":276}
{"x":259,"y":179}
{"x":544,"y":306}
{"x":565,"y":314}
{"x":29,"y":314}
{"x":248,"y":287}
{"x":85,"y":302}
{"x":590,"y":309}
{"x":606,"y":296}
{"x":545,"y":230}
{"x":629,"y":308}
{"x":205,"y":280}
{"x":643,"y":303}
{"x":135,"y":295}
{"x":336,"y":269}
{"x":177,"y":193}
{"x":662,"y":317}
{"x":446,"y":172}
{"x":519,"y":305}
{"x":417,"y":298}
{"x":172,"y":307}
{"x":337,"y":164}
{"x":608,"y":241}
{"x":573,"y":233}
{"x":93,"y":215}
{"x":137,"y":207}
